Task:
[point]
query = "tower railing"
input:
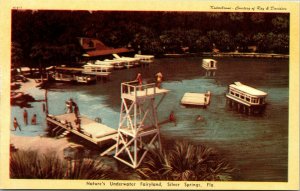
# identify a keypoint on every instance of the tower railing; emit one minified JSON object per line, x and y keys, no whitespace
{"x":132,"y":88}
{"x":138,"y":126}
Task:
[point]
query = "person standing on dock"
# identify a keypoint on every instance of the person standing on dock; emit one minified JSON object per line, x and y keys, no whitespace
{"x":76,"y":110}
{"x":69,"y":106}
{"x":16,"y":124}
{"x":78,"y":123}
{"x":139,"y":79}
{"x":25,"y":117}
{"x":159,"y":77}
{"x":33,"y":120}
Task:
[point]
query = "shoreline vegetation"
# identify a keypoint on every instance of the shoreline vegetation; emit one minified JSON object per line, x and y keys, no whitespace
{"x":231,"y":54}
{"x":56,"y":35}
{"x":47,"y":158}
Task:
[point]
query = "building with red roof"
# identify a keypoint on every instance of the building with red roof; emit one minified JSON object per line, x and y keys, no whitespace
{"x":94,"y":48}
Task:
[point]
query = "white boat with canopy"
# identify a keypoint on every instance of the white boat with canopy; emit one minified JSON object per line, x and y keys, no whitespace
{"x":145,"y":58}
{"x":246,"y":98}
{"x":209,"y":64}
{"x":129,"y":62}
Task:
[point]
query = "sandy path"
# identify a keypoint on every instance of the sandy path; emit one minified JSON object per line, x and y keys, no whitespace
{"x":25,"y":86}
{"x":40,"y":144}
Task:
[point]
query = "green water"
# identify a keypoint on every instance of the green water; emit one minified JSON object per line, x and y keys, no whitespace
{"x":257,"y":146}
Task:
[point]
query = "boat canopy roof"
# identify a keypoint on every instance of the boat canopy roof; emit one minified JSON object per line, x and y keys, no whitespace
{"x":247,"y":89}
{"x":208,"y":60}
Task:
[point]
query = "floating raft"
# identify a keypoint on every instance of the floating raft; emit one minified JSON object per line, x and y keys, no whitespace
{"x":196,"y":99}
{"x":90,"y":130}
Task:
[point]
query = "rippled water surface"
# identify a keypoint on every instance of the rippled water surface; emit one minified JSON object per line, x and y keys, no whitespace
{"x":256,"y":145}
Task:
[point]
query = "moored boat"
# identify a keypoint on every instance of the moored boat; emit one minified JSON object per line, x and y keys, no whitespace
{"x":246,"y":98}
{"x":209,"y":64}
{"x":116,"y":64}
{"x":145,"y":58}
{"x":97,"y":70}
{"x":109,"y":66}
{"x":129,"y":62}
{"x":68,"y":74}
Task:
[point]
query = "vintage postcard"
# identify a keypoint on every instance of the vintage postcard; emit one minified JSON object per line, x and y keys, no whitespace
{"x":151,"y":95}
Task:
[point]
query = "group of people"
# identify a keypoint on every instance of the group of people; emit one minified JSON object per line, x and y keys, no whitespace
{"x":158,"y":79}
{"x":69,"y":105}
{"x":25,"y":118}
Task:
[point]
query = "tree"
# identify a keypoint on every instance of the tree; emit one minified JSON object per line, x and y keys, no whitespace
{"x":259,"y":40}
{"x":191,"y":36}
{"x":203,"y":44}
{"x":40,"y":55}
{"x":16,"y":55}
{"x":281,"y":23}
{"x":241,"y":41}
{"x":185,"y":162}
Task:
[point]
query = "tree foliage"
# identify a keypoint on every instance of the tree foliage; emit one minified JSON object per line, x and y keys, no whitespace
{"x":32,"y":165}
{"x":152,"y":32}
{"x":185,"y":162}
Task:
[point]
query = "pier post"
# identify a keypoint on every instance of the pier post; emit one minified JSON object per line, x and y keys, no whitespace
{"x":249,"y":111}
{"x":238,"y":107}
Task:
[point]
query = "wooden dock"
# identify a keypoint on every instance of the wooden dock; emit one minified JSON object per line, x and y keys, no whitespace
{"x":89,"y":130}
{"x":196,"y":99}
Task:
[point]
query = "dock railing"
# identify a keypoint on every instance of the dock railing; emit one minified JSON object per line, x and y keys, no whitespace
{"x":132,"y":88}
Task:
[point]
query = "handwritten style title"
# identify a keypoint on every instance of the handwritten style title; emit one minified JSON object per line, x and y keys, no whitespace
{"x":245,"y":8}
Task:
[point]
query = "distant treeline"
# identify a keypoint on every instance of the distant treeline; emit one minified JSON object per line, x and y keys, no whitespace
{"x":151,"y":32}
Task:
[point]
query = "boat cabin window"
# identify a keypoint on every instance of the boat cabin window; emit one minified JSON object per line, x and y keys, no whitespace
{"x":261,"y":101}
{"x":254,"y":100}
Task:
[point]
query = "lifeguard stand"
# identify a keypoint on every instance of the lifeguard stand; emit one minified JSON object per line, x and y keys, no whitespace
{"x":138,"y":126}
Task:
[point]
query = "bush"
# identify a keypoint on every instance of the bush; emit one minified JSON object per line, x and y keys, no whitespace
{"x":185,"y":162}
{"x":31,"y":165}
{"x":28,"y":164}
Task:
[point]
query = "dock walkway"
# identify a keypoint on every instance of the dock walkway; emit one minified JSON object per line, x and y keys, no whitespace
{"x":90,"y":130}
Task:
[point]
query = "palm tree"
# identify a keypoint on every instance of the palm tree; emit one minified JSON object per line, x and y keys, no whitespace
{"x":185,"y":162}
{"x":90,"y":169}
{"x":30,"y":164}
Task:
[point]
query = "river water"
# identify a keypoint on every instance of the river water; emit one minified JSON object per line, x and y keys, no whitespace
{"x":257,"y":146}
